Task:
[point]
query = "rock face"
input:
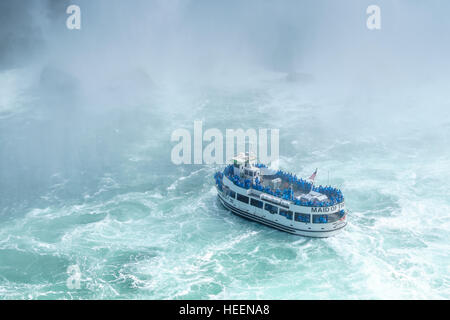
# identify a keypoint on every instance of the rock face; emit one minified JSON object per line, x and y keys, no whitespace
{"x":304,"y":78}
{"x":58,"y":90}
{"x":55,"y":80}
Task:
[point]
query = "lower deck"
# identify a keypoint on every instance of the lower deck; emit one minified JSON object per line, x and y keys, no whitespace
{"x":278,"y":219}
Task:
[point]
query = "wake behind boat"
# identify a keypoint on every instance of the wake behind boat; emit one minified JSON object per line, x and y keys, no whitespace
{"x":279,"y":199}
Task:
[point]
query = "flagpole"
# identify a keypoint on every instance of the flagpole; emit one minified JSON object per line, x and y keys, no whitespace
{"x":312,"y":183}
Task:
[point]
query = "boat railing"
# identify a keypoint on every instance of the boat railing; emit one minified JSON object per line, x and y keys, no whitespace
{"x":334,"y":195}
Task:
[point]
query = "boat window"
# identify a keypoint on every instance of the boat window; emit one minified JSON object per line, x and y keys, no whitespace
{"x":333,"y":217}
{"x":272,"y":209}
{"x":232,"y":194}
{"x":242,"y":198}
{"x":320,"y":218}
{"x":256,"y":203}
{"x":302,"y":217}
{"x":227,"y":191}
{"x":286,"y":213}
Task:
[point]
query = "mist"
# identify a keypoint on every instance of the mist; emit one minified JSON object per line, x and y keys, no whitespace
{"x":77,"y":105}
{"x":86,"y":118}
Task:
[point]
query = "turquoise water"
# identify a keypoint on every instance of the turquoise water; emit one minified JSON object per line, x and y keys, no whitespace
{"x":107,"y":199}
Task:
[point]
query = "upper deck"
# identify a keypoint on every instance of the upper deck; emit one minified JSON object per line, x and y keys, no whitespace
{"x":260,"y":179}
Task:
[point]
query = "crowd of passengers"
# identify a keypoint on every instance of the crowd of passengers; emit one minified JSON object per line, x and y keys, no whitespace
{"x":334,"y":195}
{"x":218,"y":176}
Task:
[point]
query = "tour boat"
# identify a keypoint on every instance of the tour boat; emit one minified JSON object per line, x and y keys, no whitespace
{"x":279,"y":199}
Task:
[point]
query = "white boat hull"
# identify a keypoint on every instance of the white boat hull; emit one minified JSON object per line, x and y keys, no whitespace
{"x":279,"y":222}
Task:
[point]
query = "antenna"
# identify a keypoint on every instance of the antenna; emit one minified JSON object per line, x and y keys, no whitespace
{"x":251,"y":148}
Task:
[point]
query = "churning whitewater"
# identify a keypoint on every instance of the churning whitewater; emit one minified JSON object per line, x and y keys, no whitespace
{"x":149,"y":229}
